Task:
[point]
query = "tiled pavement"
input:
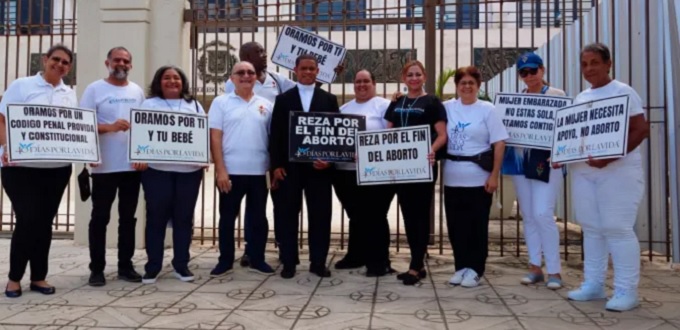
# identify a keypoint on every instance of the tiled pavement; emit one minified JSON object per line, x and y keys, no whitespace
{"x":348,"y":300}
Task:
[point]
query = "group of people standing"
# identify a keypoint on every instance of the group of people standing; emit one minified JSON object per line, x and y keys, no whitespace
{"x":249,"y":139}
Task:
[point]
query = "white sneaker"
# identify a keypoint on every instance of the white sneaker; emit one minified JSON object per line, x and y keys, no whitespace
{"x":588,"y":291}
{"x":470,"y":279}
{"x":457,"y":277}
{"x":623,"y":300}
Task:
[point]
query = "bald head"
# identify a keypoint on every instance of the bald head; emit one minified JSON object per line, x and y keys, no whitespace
{"x":254,"y":53}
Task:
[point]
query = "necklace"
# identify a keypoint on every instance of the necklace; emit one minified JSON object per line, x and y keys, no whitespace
{"x":179,"y":105}
{"x":404,"y":123}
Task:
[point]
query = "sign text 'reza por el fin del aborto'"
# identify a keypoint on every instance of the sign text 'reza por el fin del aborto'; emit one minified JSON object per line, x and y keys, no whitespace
{"x":397,"y":155}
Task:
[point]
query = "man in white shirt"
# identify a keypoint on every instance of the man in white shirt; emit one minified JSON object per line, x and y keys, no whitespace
{"x":268,"y":84}
{"x":112,"y":98}
{"x":241,"y":167}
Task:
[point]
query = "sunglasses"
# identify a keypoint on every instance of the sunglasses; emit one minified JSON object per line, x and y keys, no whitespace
{"x":242,"y":73}
{"x":58,"y":59}
{"x":525,"y":72}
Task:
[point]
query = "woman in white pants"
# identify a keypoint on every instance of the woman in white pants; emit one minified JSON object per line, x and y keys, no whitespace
{"x":607,"y":193}
{"x":536,"y":186}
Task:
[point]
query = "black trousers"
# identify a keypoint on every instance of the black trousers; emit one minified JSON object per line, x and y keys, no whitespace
{"x":366,"y":207}
{"x":318,"y":192}
{"x":35,"y":194}
{"x":467,"y":219}
{"x":104,"y":188}
{"x":415,"y":200}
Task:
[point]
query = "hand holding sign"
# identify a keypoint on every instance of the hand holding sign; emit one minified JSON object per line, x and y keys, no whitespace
{"x":120,"y":125}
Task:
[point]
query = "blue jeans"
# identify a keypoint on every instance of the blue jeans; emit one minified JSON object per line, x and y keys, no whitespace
{"x":170,"y":196}
{"x":254,"y":188}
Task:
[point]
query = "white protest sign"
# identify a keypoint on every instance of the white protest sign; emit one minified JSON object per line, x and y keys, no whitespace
{"x":47,"y":133}
{"x":159,"y":136}
{"x":396,"y":155}
{"x":294,"y":42}
{"x":598,"y":128}
{"x":529,"y":118}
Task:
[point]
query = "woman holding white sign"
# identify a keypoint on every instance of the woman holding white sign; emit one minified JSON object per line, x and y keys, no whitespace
{"x":170,"y":190}
{"x":35,"y":189}
{"x":414,"y":109}
{"x":607,"y":193}
{"x":366,"y":206}
{"x":537,"y":187}
{"x":474,"y":156}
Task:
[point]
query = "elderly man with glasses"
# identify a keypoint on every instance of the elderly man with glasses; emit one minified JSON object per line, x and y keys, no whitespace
{"x":239,"y":135}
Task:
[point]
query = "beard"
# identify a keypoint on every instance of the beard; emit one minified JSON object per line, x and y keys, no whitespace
{"x":119,"y":74}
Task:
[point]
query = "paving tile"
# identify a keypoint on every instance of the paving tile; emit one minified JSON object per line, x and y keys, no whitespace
{"x":187,"y":319}
{"x":226,"y":284}
{"x":273,"y":320}
{"x":87,"y":298}
{"x":543,"y":308}
{"x":209,"y":300}
{"x":146,"y":298}
{"x":406,"y":306}
{"x":265,"y":301}
{"x":49,"y":315}
{"x":336,"y":321}
{"x":481,"y":306}
{"x":427,"y":319}
{"x":117,"y":317}
{"x":598,"y":308}
{"x":565,"y":321}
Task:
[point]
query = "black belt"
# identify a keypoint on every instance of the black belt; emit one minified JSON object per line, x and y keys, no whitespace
{"x":463,"y":158}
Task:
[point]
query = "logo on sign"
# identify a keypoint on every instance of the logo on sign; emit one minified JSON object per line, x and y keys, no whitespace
{"x":24,"y":147}
{"x":302,"y":151}
{"x":141,"y":149}
{"x":369,"y":170}
{"x":561,"y":149}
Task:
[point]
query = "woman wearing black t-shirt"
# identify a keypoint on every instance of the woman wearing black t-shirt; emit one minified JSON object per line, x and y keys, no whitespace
{"x":414,"y":109}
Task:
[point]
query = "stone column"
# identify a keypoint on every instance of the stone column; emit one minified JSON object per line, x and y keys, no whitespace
{"x":155,"y":33}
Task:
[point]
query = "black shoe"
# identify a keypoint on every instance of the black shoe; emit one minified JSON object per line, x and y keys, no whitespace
{"x":347,"y":263}
{"x":410,"y":279}
{"x":377,"y":271}
{"x":245,"y":261}
{"x":221,"y":270}
{"x":184,"y":275}
{"x":288,"y":272}
{"x":96,"y":279}
{"x":43,"y":289}
{"x":129,"y":275}
{"x":320,"y":270}
{"x":421,"y":274}
{"x":13,"y":293}
{"x":150,"y":278}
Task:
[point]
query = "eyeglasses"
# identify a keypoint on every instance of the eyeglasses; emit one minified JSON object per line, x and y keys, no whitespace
{"x":525,"y":72}
{"x":242,"y":73}
{"x":58,"y":59}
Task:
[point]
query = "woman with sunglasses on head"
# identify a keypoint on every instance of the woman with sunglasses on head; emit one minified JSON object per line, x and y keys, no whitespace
{"x":607,"y":193}
{"x":474,"y":157}
{"x":416,"y":108}
{"x":35,"y":189}
{"x":366,"y":206}
{"x":170,"y":190}
{"x":537,"y":187}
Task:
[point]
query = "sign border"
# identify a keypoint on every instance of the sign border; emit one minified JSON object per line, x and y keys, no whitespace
{"x":406,"y":181}
{"x":625,"y":134}
{"x":155,"y":161}
{"x":53,"y":160}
